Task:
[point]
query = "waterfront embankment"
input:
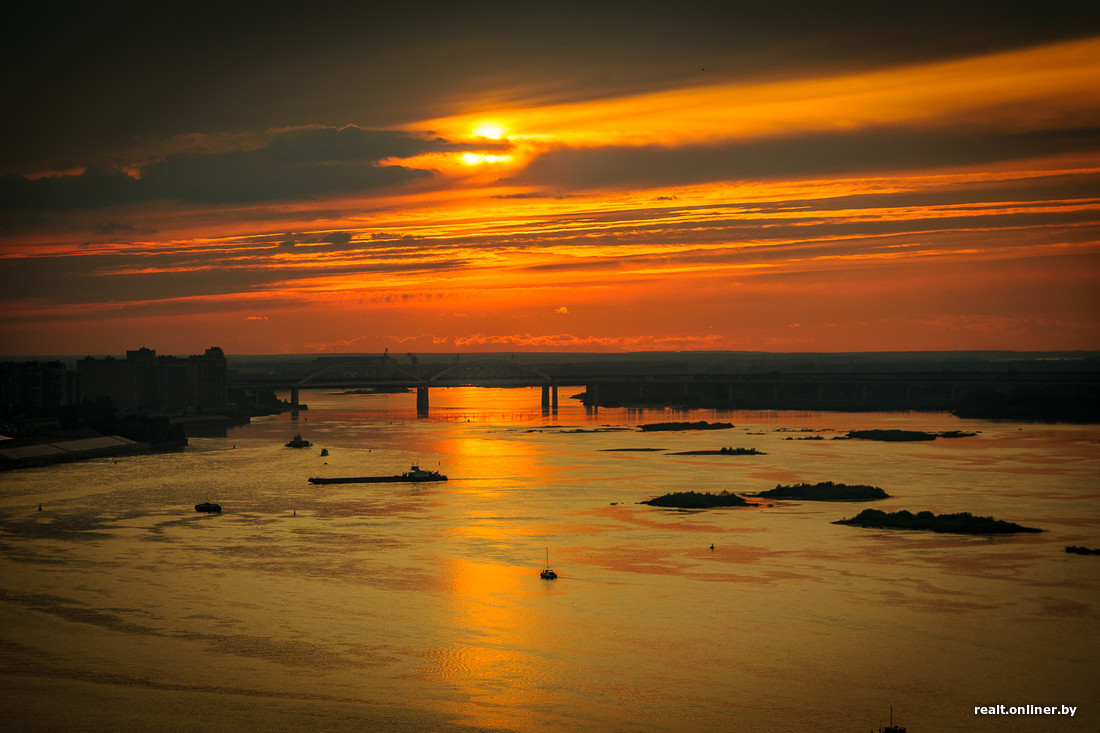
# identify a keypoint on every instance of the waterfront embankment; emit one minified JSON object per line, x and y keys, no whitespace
{"x":26,"y":455}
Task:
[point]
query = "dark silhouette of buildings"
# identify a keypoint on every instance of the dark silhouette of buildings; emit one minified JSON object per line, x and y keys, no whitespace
{"x":35,"y":387}
{"x":145,"y":381}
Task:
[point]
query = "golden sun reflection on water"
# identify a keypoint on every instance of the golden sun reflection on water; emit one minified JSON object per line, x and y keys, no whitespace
{"x":487,"y":654}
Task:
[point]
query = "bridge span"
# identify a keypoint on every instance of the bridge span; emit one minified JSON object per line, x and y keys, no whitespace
{"x":836,"y":390}
{"x":383,"y":374}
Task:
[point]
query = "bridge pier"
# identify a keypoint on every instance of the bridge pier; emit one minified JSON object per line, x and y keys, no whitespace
{"x":550,"y":398}
{"x":422,"y":401}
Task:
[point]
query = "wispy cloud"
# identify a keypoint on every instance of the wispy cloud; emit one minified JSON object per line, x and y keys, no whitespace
{"x":871,"y":190}
{"x":294,"y":163}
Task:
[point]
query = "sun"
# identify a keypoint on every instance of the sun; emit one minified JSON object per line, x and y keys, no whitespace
{"x":479,"y":158}
{"x":490,"y":130}
{"x":492,"y":136}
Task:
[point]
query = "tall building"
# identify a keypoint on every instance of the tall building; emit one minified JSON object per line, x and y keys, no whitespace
{"x":145,"y":381}
{"x":31,"y":387}
{"x":211,"y":382}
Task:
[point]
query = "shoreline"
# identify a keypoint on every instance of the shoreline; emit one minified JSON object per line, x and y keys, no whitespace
{"x":53,"y":452}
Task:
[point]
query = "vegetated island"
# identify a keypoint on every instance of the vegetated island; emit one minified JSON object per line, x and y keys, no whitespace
{"x":904,"y":435}
{"x":700,"y":425}
{"x":961,"y":523}
{"x":721,"y":452}
{"x":1082,"y":550}
{"x":825,"y":491}
{"x":696,"y":500}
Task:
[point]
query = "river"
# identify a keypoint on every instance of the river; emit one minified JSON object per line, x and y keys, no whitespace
{"x":419,"y":607}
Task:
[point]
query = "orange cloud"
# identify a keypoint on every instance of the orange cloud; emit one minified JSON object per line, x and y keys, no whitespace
{"x":945,"y":240}
{"x":1020,"y":89}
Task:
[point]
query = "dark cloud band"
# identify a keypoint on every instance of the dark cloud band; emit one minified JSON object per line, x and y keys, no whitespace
{"x":297,"y":163}
{"x":823,"y":154}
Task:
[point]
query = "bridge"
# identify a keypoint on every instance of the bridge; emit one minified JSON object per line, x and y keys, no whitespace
{"x":836,"y":390}
{"x":387,"y":373}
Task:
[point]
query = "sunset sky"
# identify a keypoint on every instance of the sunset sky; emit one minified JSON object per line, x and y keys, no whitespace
{"x":559,"y":176}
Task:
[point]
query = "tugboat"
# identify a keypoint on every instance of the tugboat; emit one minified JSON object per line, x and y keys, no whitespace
{"x":298,"y":442}
{"x":414,"y":474}
{"x":549,"y":574}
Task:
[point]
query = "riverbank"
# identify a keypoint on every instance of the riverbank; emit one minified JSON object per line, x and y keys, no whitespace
{"x":1055,"y":396}
{"x":46,"y":453}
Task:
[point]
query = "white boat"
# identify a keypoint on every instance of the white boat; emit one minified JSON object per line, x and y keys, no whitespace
{"x":548,"y":574}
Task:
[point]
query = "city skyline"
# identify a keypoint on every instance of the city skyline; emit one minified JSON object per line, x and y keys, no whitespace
{"x":590,"y":178}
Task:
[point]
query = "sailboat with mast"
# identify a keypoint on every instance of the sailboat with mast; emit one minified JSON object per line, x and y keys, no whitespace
{"x":892,"y":728}
{"x":548,"y":574}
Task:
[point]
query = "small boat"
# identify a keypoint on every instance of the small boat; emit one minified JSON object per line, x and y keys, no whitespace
{"x":892,"y":728}
{"x":208,"y":507}
{"x":414,"y":474}
{"x":298,"y":442}
{"x":548,"y":574}
{"x":324,"y":451}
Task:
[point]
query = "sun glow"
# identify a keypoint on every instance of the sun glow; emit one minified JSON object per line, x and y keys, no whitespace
{"x":479,"y":158}
{"x":491,"y":130}
{"x":487,"y":130}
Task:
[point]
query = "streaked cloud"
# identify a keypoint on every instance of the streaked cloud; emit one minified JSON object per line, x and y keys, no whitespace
{"x":293,"y":164}
{"x":817,"y":155}
{"x":830,"y":188}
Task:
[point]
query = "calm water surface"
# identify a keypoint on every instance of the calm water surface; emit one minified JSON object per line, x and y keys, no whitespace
{"x":419,"y":607}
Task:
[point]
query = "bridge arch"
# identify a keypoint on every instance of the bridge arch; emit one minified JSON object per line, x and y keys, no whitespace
{"x":384,"y":370}
{"x":489,"y":370}
{"x":389,"y":372}
{"x":491,"y":373}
